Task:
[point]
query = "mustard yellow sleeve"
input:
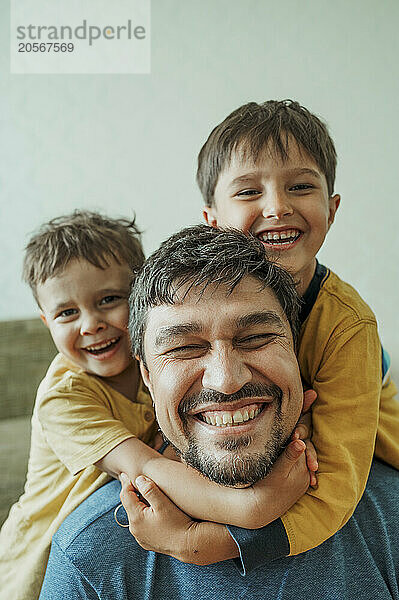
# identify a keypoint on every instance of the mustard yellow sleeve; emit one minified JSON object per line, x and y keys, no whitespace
{"x":79,"y":424}
{"x":345,"y":419}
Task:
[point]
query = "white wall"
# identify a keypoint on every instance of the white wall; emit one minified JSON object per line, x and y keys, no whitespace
{"x":129,"y":142}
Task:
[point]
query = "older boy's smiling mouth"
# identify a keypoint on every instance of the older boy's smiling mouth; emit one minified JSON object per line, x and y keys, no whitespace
{"x":281,"y":238}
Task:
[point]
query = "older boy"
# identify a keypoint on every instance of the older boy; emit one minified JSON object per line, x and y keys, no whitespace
{"x":269,"y":169}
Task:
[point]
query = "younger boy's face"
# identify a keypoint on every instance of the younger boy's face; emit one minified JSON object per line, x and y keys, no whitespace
{"x":284,"y":203}
{"x":86,"y":310}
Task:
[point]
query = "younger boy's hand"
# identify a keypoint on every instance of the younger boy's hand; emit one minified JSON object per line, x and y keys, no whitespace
{"x":159,"y":526}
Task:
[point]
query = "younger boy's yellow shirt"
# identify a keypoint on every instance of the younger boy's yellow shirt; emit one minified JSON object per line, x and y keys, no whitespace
{"x":76,"y":421}
{"x":340,"y":358}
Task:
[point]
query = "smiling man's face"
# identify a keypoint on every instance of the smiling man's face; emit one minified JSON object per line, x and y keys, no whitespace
{"x":224,"y":378}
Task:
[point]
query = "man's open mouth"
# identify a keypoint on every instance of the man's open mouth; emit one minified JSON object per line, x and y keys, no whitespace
{"x":102,"y":347}
{"x":231,"y":418}
{"x":280,"y":239}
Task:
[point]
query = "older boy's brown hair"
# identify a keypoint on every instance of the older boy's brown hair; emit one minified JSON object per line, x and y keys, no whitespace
{"x":81,"y":235}
{"x":254,"y":127}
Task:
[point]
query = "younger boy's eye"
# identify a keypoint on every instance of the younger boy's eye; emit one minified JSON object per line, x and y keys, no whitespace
{"x":68,"y":312}
{"x":110,"y":299}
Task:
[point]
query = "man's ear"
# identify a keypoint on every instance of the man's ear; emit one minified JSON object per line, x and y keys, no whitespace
{"x":145,"y":375}
{"x":209,"y":214}
{"x":333,"y":203}
{"x":43,"y":318}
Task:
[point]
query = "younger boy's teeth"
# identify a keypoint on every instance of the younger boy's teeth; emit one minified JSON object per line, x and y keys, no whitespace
{"x":230,"y":418}
{"x":97,"y":347}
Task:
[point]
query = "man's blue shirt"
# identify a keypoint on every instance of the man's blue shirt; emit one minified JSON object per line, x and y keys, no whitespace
{"x":92,"y":557}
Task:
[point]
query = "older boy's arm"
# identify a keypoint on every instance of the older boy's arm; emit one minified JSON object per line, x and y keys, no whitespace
{"x":345,"y":419}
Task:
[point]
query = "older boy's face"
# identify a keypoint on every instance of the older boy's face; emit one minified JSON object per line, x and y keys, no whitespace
{"x":225,"y":381}
{"x":285,"y":204}
{"x":86,"y":310}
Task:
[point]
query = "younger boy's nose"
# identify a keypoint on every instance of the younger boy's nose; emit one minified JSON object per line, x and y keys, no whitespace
{"x":91,"y":324}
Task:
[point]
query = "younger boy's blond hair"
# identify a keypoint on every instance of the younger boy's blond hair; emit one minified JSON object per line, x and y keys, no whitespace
{"x":80,"y":235}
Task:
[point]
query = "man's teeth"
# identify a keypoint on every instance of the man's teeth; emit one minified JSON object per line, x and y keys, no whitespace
{"x":101,"y":346}
{"x":224,"y":419}
{"x":289,"y":235}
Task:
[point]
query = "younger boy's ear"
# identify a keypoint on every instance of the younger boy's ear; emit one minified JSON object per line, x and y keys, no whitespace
{"x":145,"y":375}
{"x":43,"y":318}
{"x":209,"y":214}
{"x":333,"y":203}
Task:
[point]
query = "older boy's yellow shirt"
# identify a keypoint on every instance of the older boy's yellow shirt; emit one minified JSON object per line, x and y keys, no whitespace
{"x":76,"y":421}
{"x":340,"y":358}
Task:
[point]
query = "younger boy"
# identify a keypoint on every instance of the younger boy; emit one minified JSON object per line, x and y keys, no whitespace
{"x":92,"y":414}
{"x":269,"y":170}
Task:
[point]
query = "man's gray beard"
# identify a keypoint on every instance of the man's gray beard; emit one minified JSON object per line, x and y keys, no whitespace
{"x":235,"y":470}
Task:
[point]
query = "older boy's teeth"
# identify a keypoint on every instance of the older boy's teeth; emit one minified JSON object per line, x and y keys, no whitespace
{"x":225,"y":419}
{"x":276,"y":236}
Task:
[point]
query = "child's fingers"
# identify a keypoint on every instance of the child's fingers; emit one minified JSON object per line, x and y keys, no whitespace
{"x":290,"y":456}
{"x":309,"y":396}
{"x":311,"y":456}
{"x":303,"y":430}
{"x":128,"y":495}
{"x":152,"y":494}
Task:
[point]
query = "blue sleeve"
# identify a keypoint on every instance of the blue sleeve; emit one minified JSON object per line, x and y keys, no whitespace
{"x":259,"y":546}
{"x":63,"y":581}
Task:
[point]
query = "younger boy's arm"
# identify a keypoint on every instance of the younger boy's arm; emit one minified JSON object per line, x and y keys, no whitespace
{"x":250,"y":507}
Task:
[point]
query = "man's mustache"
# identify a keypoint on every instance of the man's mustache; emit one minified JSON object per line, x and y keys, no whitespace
{"x":249,"y":390}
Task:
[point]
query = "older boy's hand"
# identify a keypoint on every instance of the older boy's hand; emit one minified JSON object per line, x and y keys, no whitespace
{"x":159,"y":526}
{"x":303,"y":431}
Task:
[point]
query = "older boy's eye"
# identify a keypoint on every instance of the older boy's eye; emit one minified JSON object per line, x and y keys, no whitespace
{"x":251,"y":192}
{"x":301,"y":186}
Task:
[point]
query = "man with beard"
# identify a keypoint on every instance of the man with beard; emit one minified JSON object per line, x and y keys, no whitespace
{"x":213,"y":323}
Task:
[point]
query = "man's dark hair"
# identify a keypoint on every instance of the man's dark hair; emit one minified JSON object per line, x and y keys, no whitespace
{"x":252,"y":128}
{"x":197,"y":257}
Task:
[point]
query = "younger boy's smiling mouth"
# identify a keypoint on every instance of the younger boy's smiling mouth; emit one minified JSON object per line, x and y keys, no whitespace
{"x":102,"y":347}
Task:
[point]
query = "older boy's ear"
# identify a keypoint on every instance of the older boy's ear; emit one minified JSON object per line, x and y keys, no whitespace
{"x":145,"y":375}
{"x":333,"y":204}
{"x":43,"y":318}
{"x":209,"y":214}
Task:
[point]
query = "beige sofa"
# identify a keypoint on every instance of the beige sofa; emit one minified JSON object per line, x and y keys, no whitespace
{"x":26,"y":350}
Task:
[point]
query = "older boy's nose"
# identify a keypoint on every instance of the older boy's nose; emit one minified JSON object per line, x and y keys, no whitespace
{"x":225,"y":372}
{"x":276,"y":206}
{"x":91,"y":324}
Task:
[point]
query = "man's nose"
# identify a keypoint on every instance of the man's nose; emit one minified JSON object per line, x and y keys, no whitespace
{"x":91,"y":323}
{"x":277,"y":205}
{"x":226,"y":372}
